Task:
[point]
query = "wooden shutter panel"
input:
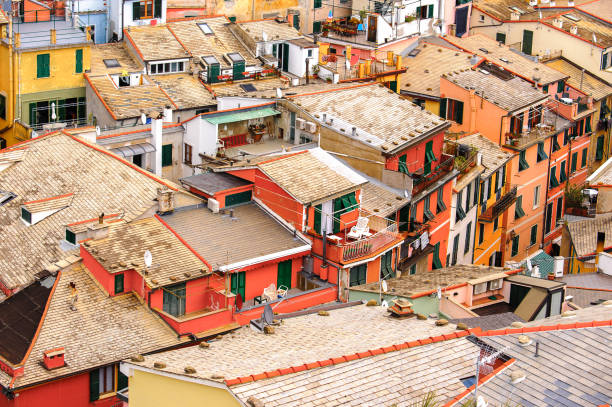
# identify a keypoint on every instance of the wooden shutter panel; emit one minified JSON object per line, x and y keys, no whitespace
{"x":122,"y":381}
{"x":317,"y":218}
{"x":157,"y":9}
{"x":94,"y":385}
{"x":79,"y":61}
{"x":136,"y":10}
{"x":459,"y":112}
{"x":430,"y":11}
{"x":443,"y":103}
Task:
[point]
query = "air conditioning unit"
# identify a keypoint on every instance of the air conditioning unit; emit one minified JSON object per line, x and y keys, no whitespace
{"x":299,"y":123}
{"x":495,"y":284}
{"x":213,"y":205}
{"x":311,"y":127}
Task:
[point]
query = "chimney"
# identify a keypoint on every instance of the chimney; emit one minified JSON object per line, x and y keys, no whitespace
{"x":53,"y":36}
{"x":156,"y":131}
{"x":165,"y":200}
{"x":167,"y":114}
{"x":558,"y":263}
{"x":54,"y":358}
{"x":574,"y":29}
{"x":354,"y":131}
{"x":97,"y":231}
{"x":101,"y":218}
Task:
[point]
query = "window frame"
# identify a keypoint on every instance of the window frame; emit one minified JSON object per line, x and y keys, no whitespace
{"x":468,"y":240}
{"x":188,"y":153}
{"x":167,"y":155}
{"x":515,"y":245}
{"x":43,"y":66}
{"x":533,"y":237}
{"x":119,"y":281}
{"x":536,"y":196}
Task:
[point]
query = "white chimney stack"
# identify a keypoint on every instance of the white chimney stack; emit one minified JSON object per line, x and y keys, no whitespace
{"x":167,"y":114}
{"x":156,"y":131}
{"x":558,"y":266}
{"x":479,"y":158}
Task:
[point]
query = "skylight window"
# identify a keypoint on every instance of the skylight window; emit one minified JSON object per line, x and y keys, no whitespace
{"x":111,"y":63}
{"x":516,"y":9}
{"x":572,"y":17}
{"x":468,"y":381}
{"x":205,"y":28}
{"x":6,"y":197}
{"x":248,"y":87}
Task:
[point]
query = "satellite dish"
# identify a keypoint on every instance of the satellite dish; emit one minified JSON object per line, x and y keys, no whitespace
{"x":53,"y":115}
{"x":148,"y":258}
{"x":279,"y":93}
{"x":384,"y":286}
{"x":143,"y":118}
{"x":98,"y":131}
{"x":268,"y":315}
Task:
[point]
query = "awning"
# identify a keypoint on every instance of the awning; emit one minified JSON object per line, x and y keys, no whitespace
{"x":134,"y":149}
{"x":241,"y":116}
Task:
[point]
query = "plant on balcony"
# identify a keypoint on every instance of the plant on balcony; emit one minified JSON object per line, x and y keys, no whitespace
{"x":573,"y":196}
{"x":410,"y":18}
{"x":459,"y":161}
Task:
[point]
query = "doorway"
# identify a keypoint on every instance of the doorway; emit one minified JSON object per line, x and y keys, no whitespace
{"x":527,"y":42}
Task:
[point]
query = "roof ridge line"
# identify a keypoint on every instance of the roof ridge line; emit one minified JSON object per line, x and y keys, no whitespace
{"x":80,"y":222}
{"x":351,"y":357}
{"x":545,"y":328}
{"x":49,"y":199}
{"x":20,"y":144}
{"x":332,"y":90}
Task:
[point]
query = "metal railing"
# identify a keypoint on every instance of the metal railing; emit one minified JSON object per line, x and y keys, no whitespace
{"x":423,"y":181}
{"x":370,"y":244}
{"x":502,"y":204}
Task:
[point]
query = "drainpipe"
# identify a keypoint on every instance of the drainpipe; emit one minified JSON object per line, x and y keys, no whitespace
{"x":546,"y":197}
{"x":156,"y":131}
{"x":11,"y":106}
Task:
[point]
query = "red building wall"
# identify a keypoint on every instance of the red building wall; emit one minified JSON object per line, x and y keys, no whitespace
{"x":415,"y":155}
{"x":279,"y":201}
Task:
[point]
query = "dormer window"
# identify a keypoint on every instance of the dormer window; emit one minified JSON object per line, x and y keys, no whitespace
{"x":167,"y":67}
{"x":6,"y":197}
{"x":70,"y":236}
{"x":111,"y":63}
{"x":205,"y":28}
{"x":26,"y":216}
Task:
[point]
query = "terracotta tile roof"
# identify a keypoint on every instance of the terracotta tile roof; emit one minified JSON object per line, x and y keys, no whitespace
{"x":507,"y":58}
{"x":49,"y":204}
{"x":266,"y":88}
{"x":510,"y":95}
{"x":223,"y":241}
{"x":221,"y":42}
{"x":156,"y":42}
{"x":488,"y":322}
{"x":493,"y":156}
{"x":603,"y":175}
{"x":583,"y":234}
{"x":591,"y":85}
{"x":500,"y":9}
{"x":424,"y":70}
{"x":392,"y":123}
{"x":130,"y":101}
{"x":599,"y":8}
{"x":380,"y":200}
{"x":185,"y":91}
{"x":312,"y":176}
{"x":59,"y":164}
{"x":299,"y":341}
{"x":101,"y":331}
{"x":416,"y":284}
{"x":126,"y":244}
{"x":117,"y":51}
{"x":274,"y":31}
{"x":588,"y":26}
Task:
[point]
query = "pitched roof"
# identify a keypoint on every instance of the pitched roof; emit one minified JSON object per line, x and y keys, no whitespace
{"x":155,"y":43}
{"x":107,"y":52}
{"x":589,"y":28}
{"x":506,"y":57}
{"x":266,"y":88}
{"x":101,"y":331}
{"x":584,"y":234}
{"x":488,"y":322}
{"x":225,"y":241}
{"x":312,"y":176}
{"x":588,"y":280}
{"x":501,"y":9}
{"x":392,"y":123}
{"x":213,"y":182}
{"x":59,"y":164}
{"x":510,"y":95}
{"x":3,"y":18}
{"x":381,"y":200}
{"x":584,"y":82}
{"x":571,"y":352}
{"x":274,"y":30}
{"x":414,"y":284}
{"x":583,"y":297}
{"x":49,"y":204}
{"x":424,"y":70}
{"x":584,"y":316}
{"x":126,"y":243}
{"x":184,"y":90}
{"x":493,"y":156}
{"x":603,"y":174}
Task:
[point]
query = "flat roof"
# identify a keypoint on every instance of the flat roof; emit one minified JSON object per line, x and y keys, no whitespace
{"x":493,"y":156}
{"x":38,"y":34}
{"x":273,"y":30}
{"x":535,"y":282}
{"x":213,"y":182}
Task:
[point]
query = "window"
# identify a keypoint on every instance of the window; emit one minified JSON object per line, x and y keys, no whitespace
{"x":427,"y":214}
{"x":496,"y":284}
{"x":555,"y":142}
{"x":283,"y":274}
{"x":500,"y":37}
{"x":317,"y":218}
{"x":515,"y":245}
{"x":481,"y":226}
{"x":124,"y":81}
{"x":106,"y":379}
{"x":548,"y":224}
{"x":587,"y":125}
{"x":118,"y":283}
{"x":516,"y":124}
{"x":565,"y":136}
{"x":316,"y":27}
{"x":440,"y":206}
{"x":523,"y":165}
{"x":70,"y":236}
{"x":480,"y":288}
{"x":78,"y":56}
{"x":174,"y":299}
{"x":574,"y":162}
{"x":167,"y":67}
{"x":562,"y":173}
{"x":317,"y":3}
{"x":583,"y":161}
{"x":560,"y":87}
{"x":309,"y":53}
{"x":2,"y":107}
{"x":536,"y":196}
{"x":606,"y":60}
{"x":518,"y":208}
{"x":435,"y":261}
{"x":455,"y":249}
{"x":358,"y":275}
{"x":468,"y":238}
{"x":166,"y":155}
{"x":541,"y":153}
{"x":452,"y":110}
{"x":26,"y":216}
{"x":238,"y":198}
{"x":599,"y":152}
{"x":545,"y":88}
{"x":430,"y":157}
{"x":468,"y":192}
{"x":386,"y":270}
{"x":42,"y":65}
{"x":238,"y":284}
{"x":143,"y":10}
{"x":553,"y":178}
{"x":188,"y":152}
{"x":70,"y":111}
{"x":481,"y":18}
{"x":460,"y":211}
{"x":111,"y":63}
{"x":534,"y":235}
{"x":495,"y":223}
{"x":401,"y":165}
{"x":475,"y":201}
{"x":412,"y":269}
{"x":559,"y":213}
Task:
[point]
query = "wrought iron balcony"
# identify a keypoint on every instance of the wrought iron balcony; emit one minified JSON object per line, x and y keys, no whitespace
{"x":422,"y":181}
{"x":501,"y":205}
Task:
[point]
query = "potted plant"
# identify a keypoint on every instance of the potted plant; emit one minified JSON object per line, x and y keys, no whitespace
{"x":551,"y":275}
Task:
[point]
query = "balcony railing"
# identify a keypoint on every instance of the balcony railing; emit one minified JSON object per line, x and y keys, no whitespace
{"x":422,"y":181}
{"x":363,"y":247}
{"x":501,"y":205}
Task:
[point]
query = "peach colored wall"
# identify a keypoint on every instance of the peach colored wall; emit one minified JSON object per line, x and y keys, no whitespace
{"x":450,"y":307}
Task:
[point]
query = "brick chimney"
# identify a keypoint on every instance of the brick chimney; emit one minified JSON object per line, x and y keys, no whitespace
{"x":54,"y":358}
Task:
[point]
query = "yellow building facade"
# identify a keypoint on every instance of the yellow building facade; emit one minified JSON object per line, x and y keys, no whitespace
{"x":41,"y":78}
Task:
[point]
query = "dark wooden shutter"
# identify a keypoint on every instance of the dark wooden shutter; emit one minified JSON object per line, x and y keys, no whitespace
{"x":118,"y":283}
{"x":42,"y":65}
{"x":468,"y":233}
{"x":443,"y":103}
{"x":79,"y":61}
{"x":238,"y":70}
{"x":157,"y":9}
{"x":534,"y":234}
{"x":283,"y":275}
{"x":136,"y":10}
{"x":458,"y":112}
{"x":240,"y":197}
{"x":317,"y":218}
{"x":430,"y":11}
{"x":166,"y":155}
{"x":122,"y":381}
{"x":94,"y":385}
{"x":527,"y":41}
{"x":500,"y":37}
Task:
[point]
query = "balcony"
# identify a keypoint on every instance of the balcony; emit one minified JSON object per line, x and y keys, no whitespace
{"x":573,"y":109}
{"x":364,"y":247}
{"x":503,"y":203}
{"x":423,"y":181}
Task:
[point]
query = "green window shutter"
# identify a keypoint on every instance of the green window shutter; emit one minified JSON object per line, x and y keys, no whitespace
{"x":232,"y":19}
{"x":418,"y":11}
{"x":70,"y":236}
{"x":412,"y":269}
{"x":496,"y":185}
{"x":166,"y":155}
{"x":443,"y":103}
{"x":468,"y":238}
{"x":599,"y":151}
{"x":42,"y":65}
{"x":435,"y":261}
{"x":136,"y":10}
{"x":440,"y":206}
{"x":157,"y":9}
{"x":559,"y":208}
{"x":119,"y":283}
{"x":534,"y":235}
{"x":523,"y":165}
{"x":475,"y":201}
{"x":500,"y":37}
{"x":515,"y":245}
{"x":429,"y":154}
{"x":427,"y":214}
{"x":283,"y":276}
{"x":337,"y":213}
{"x":402,"y":166}
{"x":574,"y":162}
{"x":555,"y":143}
{"x":430,"y":11}
{"x":458,"y":112}
{"x":518,"y":208}
{"x":78,"y":61}
{"x":238,"y":70}
{"x":541,"y":153}
{"x":94,"y":385}
{"x":460,"y":211}
{"x":318,"y":3}
{"x":455,"y":249}
{"x":317,"y":218}
{"x":562,"y":173}
{"x":587,"y":125}
{"x":26,"y":215}
{"x":122,"y":381}
{"x":404,"y":218}
{"x":553,"y":178}
{"x":545,"y":88}
{"x":481,"y":226}
{"x":239,"y":198}
{"x":560,"y":87}
{"x":565,"y":136}
{"x":316,"y":27}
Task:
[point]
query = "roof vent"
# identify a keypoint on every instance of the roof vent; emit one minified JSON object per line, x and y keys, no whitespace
{"x":165,"y":200}
{"x":6,"y":197}
{"x":54,"y":358}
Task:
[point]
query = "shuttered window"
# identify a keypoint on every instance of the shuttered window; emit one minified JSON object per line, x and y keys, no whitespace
{"x":238,"y":284}
{"x":386,"y":269}
{"x":587,"y":125}
{"x":435,"y":261}
{"x":534,"y":235}
{"x":78,"y":56}
{"x":26,"y":216}
{"x":455,"y":249}
{"x":70,"y":236}
{"x":136,"y":10}
{"x":555,"y":142}
{"x":402,"y":167}
{"x":238,"y":198}
{"x":523,"y":165}
{"x":565,"y":136}
{"x":42,"y":65}
{"x":563,"y":173}
{"x":427,"y":214}
{"x":358,"y":275}
{"x":429,"y":154}
{"x":317,"y":3}
{"x":599,"y":152}
{"x":541,"y":153}
{"x":166,"y":155}
{"x":583,"y":160}
{"x":515,"y":245}
{"x":2,"y":107}
{"x":440,"y":206}
{"x":518,"y":208}
{"x":553,"y":178}
{"x":188,"y":153}
{"x":119,"y":279}
{"x":317,"y":218}
{"x":481,"y":228}
{"x":468,"y":238}
{"x":157,"y":9}
{"x":560,"y":86}
{"x":283,"y":275}
{"x":574,"y":162}
{"x":460,"y":211}
{"x":500,"y":37}
{"x":443,"y":103}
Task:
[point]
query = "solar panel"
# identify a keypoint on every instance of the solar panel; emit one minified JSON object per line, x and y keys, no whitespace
{"x":248,"y":87}
{"x":111,"y":63}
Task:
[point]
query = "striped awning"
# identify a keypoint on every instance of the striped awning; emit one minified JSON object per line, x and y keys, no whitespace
{"x":133,"y":149}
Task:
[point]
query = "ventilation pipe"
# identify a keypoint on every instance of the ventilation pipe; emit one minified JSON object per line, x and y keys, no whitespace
{"x":156,"y":131}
